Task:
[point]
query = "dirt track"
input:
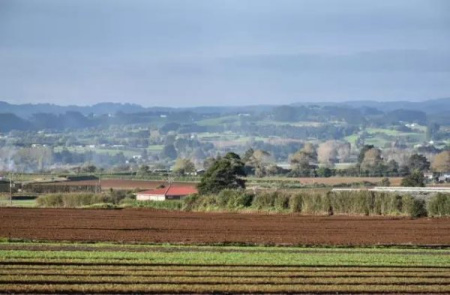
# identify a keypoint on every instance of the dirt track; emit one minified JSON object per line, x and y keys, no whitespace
{"x":138,"y":225}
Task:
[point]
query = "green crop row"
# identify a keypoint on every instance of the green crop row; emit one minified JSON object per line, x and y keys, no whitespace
{"x":229,"y":273}
{"x":119,"y":268}
{"x":229,"y":258}
{"x":35,"y":279}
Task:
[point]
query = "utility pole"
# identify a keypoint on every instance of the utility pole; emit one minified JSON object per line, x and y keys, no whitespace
{"x":10,"y":189}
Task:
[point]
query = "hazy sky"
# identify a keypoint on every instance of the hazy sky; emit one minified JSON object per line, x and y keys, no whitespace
{"x":228,"y":52}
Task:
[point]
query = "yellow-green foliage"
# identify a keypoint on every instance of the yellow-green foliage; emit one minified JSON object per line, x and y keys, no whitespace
{"x":347,"y":202}
{"x":439,"y":205}
{"x":69,"y":200}
{"x":165,"y":205}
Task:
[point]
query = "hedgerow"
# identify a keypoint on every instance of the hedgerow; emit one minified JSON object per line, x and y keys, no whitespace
{"x":320,"y":203}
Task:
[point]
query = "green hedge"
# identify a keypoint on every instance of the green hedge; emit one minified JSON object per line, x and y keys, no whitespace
{"x":439,"y":205}
{"x":345,"y":203}
{"x":69,"y":200}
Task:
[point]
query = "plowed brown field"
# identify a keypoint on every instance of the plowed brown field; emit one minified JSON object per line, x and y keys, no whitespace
{"x":153,"y":226}
{"x":125,"y":184}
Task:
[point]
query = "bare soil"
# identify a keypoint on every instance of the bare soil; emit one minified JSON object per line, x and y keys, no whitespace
{"x":158,"y":226}
{"x":124,"y":184}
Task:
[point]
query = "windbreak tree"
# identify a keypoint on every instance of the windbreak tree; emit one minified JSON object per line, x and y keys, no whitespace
{"x":418,"y":163}
{"x":441,"y":162}
{"x":225,"y":173}
{"x":183,"y":166}
{"x":416,"y":179}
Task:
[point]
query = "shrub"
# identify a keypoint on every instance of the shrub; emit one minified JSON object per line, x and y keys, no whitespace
{"x":416,"y":179}
{"x":352,"y":202}
{"x":53,"y":200}
{"x":439,"y":205}
{"x":264,"y":201}
{"x":69,"y":200}
{"x":315,"y":203}
{"x":163,"y":205}
{"x":115,"y":196}
{"x":417,"y":208}
{"x":296,"y":203}
{"x":190,"y":202}
{"x":385,"y":182}
{"x":101,"y":206}
{"x":281,"y":202}
{"x":79,"y":200}
{"x":234,"y":199}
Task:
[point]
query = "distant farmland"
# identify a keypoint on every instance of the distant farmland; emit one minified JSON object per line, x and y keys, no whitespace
{"x":151,"y":184}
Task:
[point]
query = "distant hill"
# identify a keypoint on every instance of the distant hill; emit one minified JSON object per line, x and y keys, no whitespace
{"x":27,"y":110}
{"x":432,"y":106}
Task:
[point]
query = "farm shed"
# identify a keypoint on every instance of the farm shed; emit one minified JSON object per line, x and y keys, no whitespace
{"x":4,"y":185}
{"x":169,"y":193}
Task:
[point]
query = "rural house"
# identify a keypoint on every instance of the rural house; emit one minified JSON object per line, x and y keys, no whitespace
{"x":444,"y":177}
{"x":169,"y":193}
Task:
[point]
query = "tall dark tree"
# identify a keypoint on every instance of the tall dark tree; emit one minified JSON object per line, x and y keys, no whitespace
{"x":169,"y":151}
{"x":418,"y":163}
{"x":225,"y":173}
{"x":415,"y":179}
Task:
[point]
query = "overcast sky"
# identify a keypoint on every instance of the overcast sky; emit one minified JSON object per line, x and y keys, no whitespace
{"x":228,"y":52}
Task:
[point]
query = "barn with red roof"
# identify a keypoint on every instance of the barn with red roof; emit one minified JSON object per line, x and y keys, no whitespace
{"x":168,"y":193}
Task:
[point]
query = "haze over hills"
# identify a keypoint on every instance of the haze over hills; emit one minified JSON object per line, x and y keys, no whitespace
{"x":432,"y":106}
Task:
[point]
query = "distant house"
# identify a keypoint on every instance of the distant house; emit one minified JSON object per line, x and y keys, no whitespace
{"x":429,"y":176}
{"x":444,"y":177}
{"x":168,"y":193}
{"x":4,"y":185}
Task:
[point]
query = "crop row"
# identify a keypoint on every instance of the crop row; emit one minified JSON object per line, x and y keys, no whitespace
{"x":219,"y":269}
{"x":234,"y":260}
{"x":221,"y":288}
{"x":22,"y":279}
{"x":193,"y":274}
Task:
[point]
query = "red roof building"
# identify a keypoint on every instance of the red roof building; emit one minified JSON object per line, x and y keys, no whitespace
{"x":169,"y":193}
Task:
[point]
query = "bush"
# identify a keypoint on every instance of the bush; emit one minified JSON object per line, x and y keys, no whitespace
{"x":101,"y":206}
{"x":417,"y":208}
{"x":416,"y":179}
{"x":345,"y":202}
{"x":69,"y":200}
{"x":163,"y":205}
{"x":79,"y":200}
{"x":281,"y":202}
{"x":264,"y":201}
{"x":234,"y":199}
{"x":315,"y":203}
{"x":190,"y":202}
{"x":296,"y":203}
{"x":53,"y":200}
{"x":116,"y":196}
{"x":439,"y":205}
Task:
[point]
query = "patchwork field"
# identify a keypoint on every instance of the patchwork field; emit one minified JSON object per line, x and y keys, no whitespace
{"x":330,"y":181}
{"x":150,"y":184}
{"x":108,"y":268}
{"x":159,"y":226}
{"x":124,"y":184}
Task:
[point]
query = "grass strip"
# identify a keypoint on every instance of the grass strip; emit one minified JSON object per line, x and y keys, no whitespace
{"x":232,"y":258}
